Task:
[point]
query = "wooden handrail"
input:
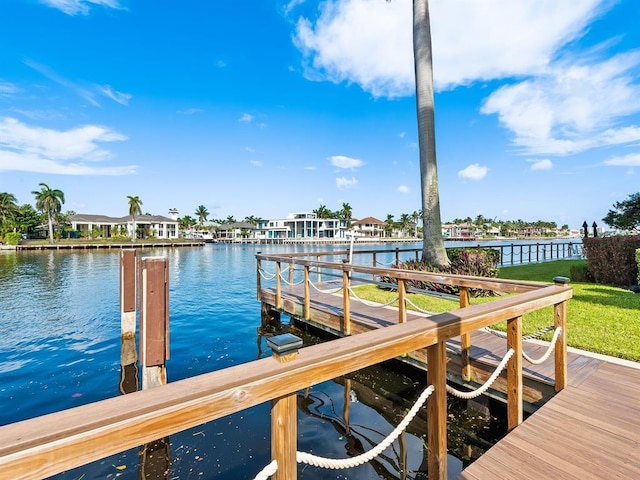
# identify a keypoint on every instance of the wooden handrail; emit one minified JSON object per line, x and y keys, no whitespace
{"x":496,"y":284}
{"x":57,"y":442}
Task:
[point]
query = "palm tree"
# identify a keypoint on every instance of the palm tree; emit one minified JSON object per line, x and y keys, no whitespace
{"x":415,"y":216}
{"x":433,"y":250}
{"x":135,"y":205}
{"x":49,"y":201}
{"x":405,"y":219}
{"x":8,"y":206}
{"x":323,"y":212}
{"x":346,"y":213}
{"x":202,"y":213}
{"x":388,"y":225}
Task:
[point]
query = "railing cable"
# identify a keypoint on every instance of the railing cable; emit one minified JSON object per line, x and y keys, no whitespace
{"x":479,"y":391}
{"x":372,"y":304}
{"x":330,"y":292}
{"x":309,"y":459}
{"x":267,"y":471}
{"x":550,"y":349}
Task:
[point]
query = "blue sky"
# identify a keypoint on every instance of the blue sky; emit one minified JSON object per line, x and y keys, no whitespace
{"x":283,"y":106}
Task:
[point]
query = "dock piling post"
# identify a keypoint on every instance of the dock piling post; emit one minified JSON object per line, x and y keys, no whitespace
{"x":154,"y":320}
{"x":437,"y":411}
{"x":514,"y":374}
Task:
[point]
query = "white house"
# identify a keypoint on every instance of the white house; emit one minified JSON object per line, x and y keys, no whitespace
{"x":157,"y":226}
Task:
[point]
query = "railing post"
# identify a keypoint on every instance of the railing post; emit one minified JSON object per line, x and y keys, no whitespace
{"x":307,"y":294}
{"x":291,"y":266}
{"x":537,"y":252}
{"x":402,"y":299}
{"x":465,"y":338}
{"x":437,"y":412}
{"x":346,"y":303}
{"x":375,"y":263}
{"x":560,"y":321}
{"x":284,"y":431}
{"x":258,"y":277}
{"x":278,"y":285}
{"x":514,"y":373}
{"x":154,"y":320}
{"x":512,"y":254}
{"x":397,"y":256}
{"x":319,"y":279}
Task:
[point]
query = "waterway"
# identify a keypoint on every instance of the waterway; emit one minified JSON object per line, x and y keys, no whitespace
{"x":60,"y":348}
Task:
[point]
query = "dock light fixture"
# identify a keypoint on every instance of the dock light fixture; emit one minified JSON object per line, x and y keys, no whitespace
{"x":284,"y":347}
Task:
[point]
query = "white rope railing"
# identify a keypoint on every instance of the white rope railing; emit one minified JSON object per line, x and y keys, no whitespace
{"x":550,"y":349}
{"x":267,"y":275}
{"x":267,"y":471}
{"x":479,"y":391}
{"x":309,"y":459}
{"x":286,"y":282}
{"x":385,"y":264}
{"x":314,"y":460}
{"x":408,"y":300}
{"x":372,"y":304}
{"x":330,"y":292}
{"x":531,"y":336}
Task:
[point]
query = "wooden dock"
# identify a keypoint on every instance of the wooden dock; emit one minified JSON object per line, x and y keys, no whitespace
{"x":107,"y":245}
{"x":589,"y":430}
{"x":487,"y":350}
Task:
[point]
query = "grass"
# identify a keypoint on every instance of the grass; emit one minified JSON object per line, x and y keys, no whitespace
{"x":601,"y":319}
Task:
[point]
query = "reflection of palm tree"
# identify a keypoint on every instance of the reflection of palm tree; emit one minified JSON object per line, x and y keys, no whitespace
{"x":202,"y":213}
{"x":49,"y":201}
{"x":135,"y":205}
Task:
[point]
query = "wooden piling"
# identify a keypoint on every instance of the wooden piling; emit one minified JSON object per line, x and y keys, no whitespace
{"x":128,"y":291}
{"x":154,"y":320}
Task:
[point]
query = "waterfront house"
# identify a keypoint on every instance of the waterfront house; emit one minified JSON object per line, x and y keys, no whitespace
{"x":102,"y":226}
{"x":303,"y":225}
{"x":368,"y":227}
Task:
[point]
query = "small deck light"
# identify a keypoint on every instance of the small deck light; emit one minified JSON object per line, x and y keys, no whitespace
{"x":284,"y":347}
{"x":561,"y":280}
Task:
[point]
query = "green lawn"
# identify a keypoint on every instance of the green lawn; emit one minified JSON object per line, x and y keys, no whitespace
{"x":601,"y":319}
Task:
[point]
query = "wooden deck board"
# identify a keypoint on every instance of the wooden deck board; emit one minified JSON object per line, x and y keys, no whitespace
{"x":588,"y":431}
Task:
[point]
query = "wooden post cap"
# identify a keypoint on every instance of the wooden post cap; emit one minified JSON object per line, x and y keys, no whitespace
{"x":284,"y":347}
{"x":561,"y":280}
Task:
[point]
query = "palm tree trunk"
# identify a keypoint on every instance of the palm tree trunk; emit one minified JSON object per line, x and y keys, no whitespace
{"x":433,"y":250}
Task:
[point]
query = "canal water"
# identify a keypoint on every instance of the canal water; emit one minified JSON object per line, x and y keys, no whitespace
{"x":60,"y":348}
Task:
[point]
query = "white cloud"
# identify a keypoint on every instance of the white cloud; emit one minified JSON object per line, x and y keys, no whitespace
{"x":631,"y":160}
{"x":544,"y":164}
{"x":190,"y":111}
{"x":37,"y":149}
{"x":570,"y":108}
{"x":404,"y":189}
{"x":256,"y":163}
{"x":339,"y":45}
{"x":341,"y":161}
{"x":121,"y":98}
{"x":402,"y":134}
{"x":246,"y":118}
{"x":8,"y":89}
{"x":311,"y":168}
{"x":473,"y":172}
{"x":82,"y":7}
{"x":343,"y":182}
{"x":249,"y":149}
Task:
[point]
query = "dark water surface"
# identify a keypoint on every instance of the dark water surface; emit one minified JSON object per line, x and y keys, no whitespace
{"x":60,"y":348}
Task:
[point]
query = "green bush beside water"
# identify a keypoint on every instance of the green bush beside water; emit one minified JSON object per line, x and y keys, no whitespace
{"x":601,"y":319}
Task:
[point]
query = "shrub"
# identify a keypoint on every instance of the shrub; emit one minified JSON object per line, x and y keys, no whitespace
{"x":611,"y":260}
{"x":480,"y":262}
{"x":638,"y":263}
{"x":580,"y":274}
{"x":12,"y":238}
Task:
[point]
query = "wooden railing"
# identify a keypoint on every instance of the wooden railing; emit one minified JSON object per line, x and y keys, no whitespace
{"x":44,"y":446}
{"x":510,"y":254}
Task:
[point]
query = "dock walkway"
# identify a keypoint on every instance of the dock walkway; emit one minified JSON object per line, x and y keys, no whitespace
{"x":487,"y":349}
{"x":589,"y":430}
